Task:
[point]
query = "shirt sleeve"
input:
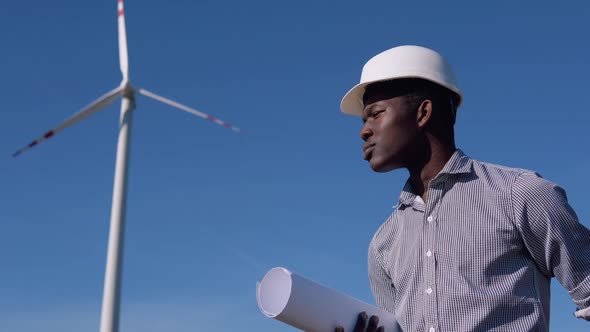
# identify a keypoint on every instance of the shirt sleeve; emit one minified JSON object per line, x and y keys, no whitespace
{"x":558,"y":243}
{"x":584,"y":313}
{"x":381,"y":285}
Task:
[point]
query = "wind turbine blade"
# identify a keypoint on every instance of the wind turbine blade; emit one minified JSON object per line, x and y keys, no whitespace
{"x":188,"y":109}
{"x":87,"y":111}
{"x":123,"y":57}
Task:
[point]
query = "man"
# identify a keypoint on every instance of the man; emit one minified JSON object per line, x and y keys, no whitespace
{"x":471,"y":246}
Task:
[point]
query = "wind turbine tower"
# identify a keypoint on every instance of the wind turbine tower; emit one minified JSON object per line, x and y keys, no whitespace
{"x":112,"y":284}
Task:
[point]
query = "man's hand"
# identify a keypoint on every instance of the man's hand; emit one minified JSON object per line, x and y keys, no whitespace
{"x":361,"y":324}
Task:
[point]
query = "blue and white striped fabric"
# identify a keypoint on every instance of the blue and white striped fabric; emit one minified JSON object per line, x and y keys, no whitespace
{"x":480,"y":254}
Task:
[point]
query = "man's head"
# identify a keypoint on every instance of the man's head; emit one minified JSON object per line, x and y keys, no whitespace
{"x":401,"y":118}
{"x":407,"y":98}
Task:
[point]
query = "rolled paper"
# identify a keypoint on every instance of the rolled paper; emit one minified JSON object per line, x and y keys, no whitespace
{"x":311,"y":307}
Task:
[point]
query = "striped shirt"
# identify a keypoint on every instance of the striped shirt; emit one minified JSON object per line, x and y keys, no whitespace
{"x":480,"y":254}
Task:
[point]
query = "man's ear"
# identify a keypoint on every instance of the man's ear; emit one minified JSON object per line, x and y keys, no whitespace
{"x":424,"y":113}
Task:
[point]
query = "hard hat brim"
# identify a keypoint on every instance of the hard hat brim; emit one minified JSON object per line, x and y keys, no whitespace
{"x":352,"y":102}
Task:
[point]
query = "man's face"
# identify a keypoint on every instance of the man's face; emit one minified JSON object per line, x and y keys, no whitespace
{"x":390,"y":131}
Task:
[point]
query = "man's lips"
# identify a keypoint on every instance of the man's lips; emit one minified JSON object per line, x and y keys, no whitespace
{"x":368,"y":151}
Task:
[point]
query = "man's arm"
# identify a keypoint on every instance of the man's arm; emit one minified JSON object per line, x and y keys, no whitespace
{"x":381,"y":284}
{"x":382,"y":292}
{"x":558,"y":243}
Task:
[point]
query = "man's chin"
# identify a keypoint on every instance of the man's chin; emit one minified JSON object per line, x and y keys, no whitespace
{"x":381,"y":167}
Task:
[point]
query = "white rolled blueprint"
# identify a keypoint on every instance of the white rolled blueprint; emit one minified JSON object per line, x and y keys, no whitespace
{"x":311,"y":307}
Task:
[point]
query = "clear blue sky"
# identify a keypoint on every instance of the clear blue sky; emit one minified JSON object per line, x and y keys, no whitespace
{"x":209,"y":211}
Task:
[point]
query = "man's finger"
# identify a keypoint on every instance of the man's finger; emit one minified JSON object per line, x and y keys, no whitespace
{"x":373,"y":323}
{"x":361,"y":322}
{"x":380,"y":329}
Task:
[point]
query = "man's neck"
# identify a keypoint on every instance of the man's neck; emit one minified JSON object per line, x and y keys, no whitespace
{"x":423,"y":172}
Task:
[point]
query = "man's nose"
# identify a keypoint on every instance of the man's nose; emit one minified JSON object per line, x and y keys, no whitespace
{"x":366,"y":132}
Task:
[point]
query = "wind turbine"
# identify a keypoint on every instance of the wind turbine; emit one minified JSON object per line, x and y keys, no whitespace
{"x":112,"y":285}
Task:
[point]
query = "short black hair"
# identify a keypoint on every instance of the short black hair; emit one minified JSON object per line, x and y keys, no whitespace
{"x":417,"y":90}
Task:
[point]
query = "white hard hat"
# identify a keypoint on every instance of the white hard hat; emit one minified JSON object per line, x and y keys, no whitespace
{"x":406,"y":61}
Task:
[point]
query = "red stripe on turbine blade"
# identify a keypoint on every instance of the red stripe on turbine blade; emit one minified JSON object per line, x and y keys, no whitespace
{"x":49,"y":134}
{"x":227,"y":125}
{"x":33,"y":143}
{"x":210,"y":118}
{"x":120,"y":12}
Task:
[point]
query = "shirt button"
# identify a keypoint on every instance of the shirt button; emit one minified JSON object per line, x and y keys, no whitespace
{"x":429,"y":291}
{"x":430,"y":219}
{"x":428,"y":253}
{"x":431,"y":329}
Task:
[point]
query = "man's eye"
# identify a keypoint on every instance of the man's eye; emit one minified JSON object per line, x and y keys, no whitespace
{"x":376,"y":113}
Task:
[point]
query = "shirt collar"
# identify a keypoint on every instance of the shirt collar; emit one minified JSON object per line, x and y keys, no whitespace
{"x":459,"y":163}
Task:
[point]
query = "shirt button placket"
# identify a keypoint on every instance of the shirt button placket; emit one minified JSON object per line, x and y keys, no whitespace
{"x":430,"y":263}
